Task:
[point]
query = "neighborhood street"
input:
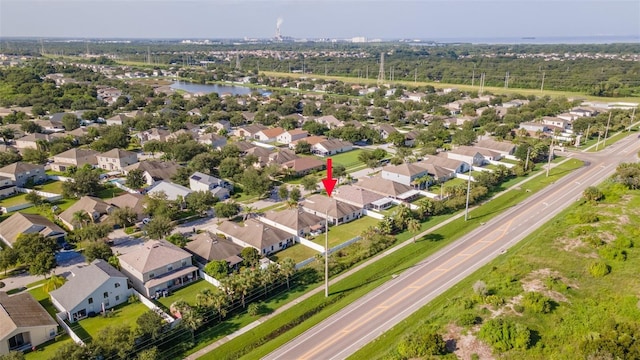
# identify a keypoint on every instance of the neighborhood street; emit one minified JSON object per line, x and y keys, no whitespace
{"x":345,"y":332}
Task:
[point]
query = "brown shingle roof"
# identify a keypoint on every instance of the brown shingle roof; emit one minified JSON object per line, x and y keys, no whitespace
{"x":88,"y":204}
{"x":117,"y":154}
{"x":211,"y":247}
{"x":154,"y":254}
{"x":383,"y":186}
{"x":295,"y":219}
{"x":333,"y":207}
{"x":254,"y":233}
{"x":21,"y":310}
{"x":356,"y":196}
{"x":20,"y":223}
{"x":20,"y":167}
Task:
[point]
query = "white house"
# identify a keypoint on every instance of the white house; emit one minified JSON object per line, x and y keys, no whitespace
{"x":292,"y":135}
{"x":203,"y":182}
{"x":171,"y":190}
{"x":331,"y":147}
{"x":91,"y":289}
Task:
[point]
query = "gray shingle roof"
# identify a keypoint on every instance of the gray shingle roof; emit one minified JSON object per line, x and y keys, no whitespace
{"x":21,"y":310}
{"x":84,"y":281}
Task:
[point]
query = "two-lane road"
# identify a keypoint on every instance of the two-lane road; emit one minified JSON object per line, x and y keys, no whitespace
{"x":361,"y":322}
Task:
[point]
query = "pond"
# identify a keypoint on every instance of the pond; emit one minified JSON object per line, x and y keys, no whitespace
{"x":209,"y":88}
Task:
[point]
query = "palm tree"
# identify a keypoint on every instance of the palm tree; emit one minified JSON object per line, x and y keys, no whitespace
{"x":81,"y":218}
{"x":414,"y":226}
{"x":288,"y":269}
{"x":53,"y":283}
{"x":7,"y":134}
{"x":248,"y":212}
{"x":219,"y":300}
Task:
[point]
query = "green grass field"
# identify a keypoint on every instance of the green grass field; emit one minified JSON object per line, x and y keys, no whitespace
{"x":297,"y":252}
{"x":47,"y":350}
{"x":187,"y":293}
{"x":348,"y":159}
{"x":439,"y":85}
{"x":122,"y":315}
{"x":341,"y":233}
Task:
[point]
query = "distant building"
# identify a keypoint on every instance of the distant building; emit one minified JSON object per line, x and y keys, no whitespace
{"x":116,"y":159}
{"x":22,"y":173}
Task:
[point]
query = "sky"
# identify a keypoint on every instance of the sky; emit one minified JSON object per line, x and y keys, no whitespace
{"x":385,"y":19}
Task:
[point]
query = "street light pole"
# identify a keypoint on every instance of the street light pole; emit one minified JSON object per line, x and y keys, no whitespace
{"x":550,"y":155}
{"x":466,"y":212}
{"x":326,"y":254}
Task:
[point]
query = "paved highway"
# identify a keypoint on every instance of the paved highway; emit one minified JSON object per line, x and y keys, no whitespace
{"x":345,"y":332}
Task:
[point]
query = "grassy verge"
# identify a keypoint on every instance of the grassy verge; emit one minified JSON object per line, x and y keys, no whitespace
{"x":367,"y":279}
{"x":557,"y":258}
{"x":493,"y":90}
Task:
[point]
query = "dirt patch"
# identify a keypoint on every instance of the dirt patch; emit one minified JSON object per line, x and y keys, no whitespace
{"x":467,"y":344}
{"x":569,"y":244}
{"x":535,"y":281}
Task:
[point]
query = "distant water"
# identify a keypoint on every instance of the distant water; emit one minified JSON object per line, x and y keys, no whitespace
{"x":209,"y":88}
{"x":545,"y":40}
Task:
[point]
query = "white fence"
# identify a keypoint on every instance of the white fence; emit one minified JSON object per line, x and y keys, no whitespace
{"x":311,"y":244}
{"x":211,"y":280}
{"x":148,"y":303}
{"x":373,"y":214}
{"x":508,"y":165}
{"x":59,"y":178}
{"x":332,"y":250}
{"x":123,"y":187}
{"x":48,"y":196}
{"x":60,"y":317}
{"x":9,"y":209}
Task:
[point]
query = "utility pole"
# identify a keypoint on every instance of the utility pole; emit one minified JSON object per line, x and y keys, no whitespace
{"x":367,"y":71}
{"x":325,"y":69}
{"x":587,"y":134}
{"x":415,"y":77}
{"x":326,"y":254}
{"x":473,"y":75}
{"x":506,"y":80}
{"x":526,"y":162}
{"x":633,"y":114}
{"x":550,"y":155}
{"x":466,"y":212}
{"x":542,"y":86}
{"x":381,"y":71}
{"x":606,"y":131}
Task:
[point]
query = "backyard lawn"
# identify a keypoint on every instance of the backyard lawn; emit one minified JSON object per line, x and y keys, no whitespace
{"x":348,"y":159}
{"x":341,"y":233}
{"x":124,"y":314}
{"x":13,"y":200}
{"x":47,"y":350}
{"x":187,"y":293}
{"x":54,"y":187}
{"x":44,"y":300}
{"x":297,"y":252}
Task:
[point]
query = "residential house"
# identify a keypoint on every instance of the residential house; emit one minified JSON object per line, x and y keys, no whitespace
{"x":331,"y":147}
{"x":444,"y":161}
{"x":410,"y":174}
{"x":294,"y":221}
{"x":243,"y":146}
{"x":534,"y":127}
{"x":7,"y":187}
{"x":338,"y":212}
{"x":91,"y":289}
{"x":357,"y":196}
{"x":117,"y":119}
{"x":249,"y":131}
{"x":171,"y":190}
{"x":21,"y":173}
{"x":413,"y":96}
{"x":503,"y":147}
{"x":385,"y":130}
{"x":96,"y":208}
{"x":583,"y":112}
{"x":268,"y":135}
{"x":32,"y":141}
{"x":311,"y":140}
{"x":116,"y":159}
{"x":258,"y":235}
{"x":21,"y":223}
{"x":24,"y":323}
{"x":202,"y":182}
{"x":158,"y":266}
{"x":152,"y":134}
{"x":221,"y":125}
{"x":207,"y":247}
{"x":387,"y":188}
{"x":182,"y":133}
{"x":50,"y":126}
{"x":474,"y":156}
{"x":555,"y":121}
{"x":74,"y":157}
{"x":135,"y":202}
{"x":154,"y":171}
{"x":514,"y":103}
{"x":292,"y":135}
{"x":213,"y":140}
{"x":329,"y":121}
{"x":410,"y":138}
{"x":195,"y":112}
{"x":303,"y":166}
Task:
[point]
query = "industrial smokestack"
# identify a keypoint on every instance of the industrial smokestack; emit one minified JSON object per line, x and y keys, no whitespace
{"x":278,"y":24}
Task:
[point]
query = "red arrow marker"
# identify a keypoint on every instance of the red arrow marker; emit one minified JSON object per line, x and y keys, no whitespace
{"x":329,"y":183}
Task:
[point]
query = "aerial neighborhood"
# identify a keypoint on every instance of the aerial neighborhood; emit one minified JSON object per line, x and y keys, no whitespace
{"x":122,"y":195}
